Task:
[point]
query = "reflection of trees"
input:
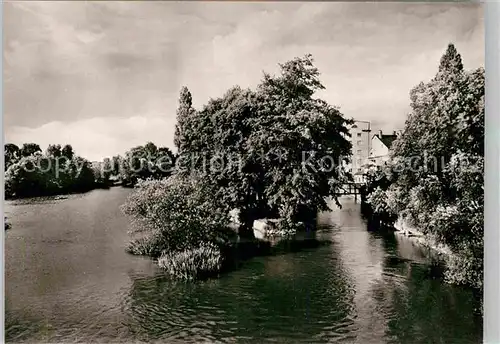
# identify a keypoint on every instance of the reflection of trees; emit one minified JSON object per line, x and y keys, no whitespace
{"x":307,"y":296}
{"x":421,"y":309}
{"x":426,"y":311}
{"x":303,"y":296}
{"x":313,"y":299}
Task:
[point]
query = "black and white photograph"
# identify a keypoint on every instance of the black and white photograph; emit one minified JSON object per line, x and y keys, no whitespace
{"x":243,"y":172}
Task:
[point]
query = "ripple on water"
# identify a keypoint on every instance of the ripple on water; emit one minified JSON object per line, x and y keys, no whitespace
{"x":362,"y":288}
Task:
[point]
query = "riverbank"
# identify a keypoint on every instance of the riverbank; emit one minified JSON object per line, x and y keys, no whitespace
{"x":100,"y":186}
{"x":402,"y":228}
{"x":399,"y":226}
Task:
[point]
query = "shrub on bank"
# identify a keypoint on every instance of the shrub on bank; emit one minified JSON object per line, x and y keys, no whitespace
{"x":182,"y":222}
{"x":200,"y":262}
{"x":179,"y":213}
{"x":149,"y":245}
{"x":449,"y":211}
{"x":465,"y":268}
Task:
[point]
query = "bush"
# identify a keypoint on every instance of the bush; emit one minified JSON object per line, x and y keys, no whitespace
{"x":465,"y":268}
{"x":150,"y":245}
{"x":196,"y":263}
{"x":378,"y":200}
{"x":176,"y":214}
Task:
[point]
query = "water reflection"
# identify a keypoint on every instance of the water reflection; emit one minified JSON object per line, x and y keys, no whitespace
{"x":281,"y":297}
{"x":68,"y":279}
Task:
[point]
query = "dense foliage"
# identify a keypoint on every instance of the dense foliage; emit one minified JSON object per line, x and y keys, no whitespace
{"x":177,"y":212}
{"x":30,"y":172}
{"x":180,"y":223}
{"x":57,"y":171}
{"x":436,"y":174}
{"x":271,"y":152}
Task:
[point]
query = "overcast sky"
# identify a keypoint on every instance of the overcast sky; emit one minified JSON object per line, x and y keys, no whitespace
{"x":105,"y":76}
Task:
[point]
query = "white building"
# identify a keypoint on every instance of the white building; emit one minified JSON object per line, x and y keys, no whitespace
{"x":380,"y":147}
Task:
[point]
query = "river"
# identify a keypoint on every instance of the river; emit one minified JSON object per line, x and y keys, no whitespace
{"x":68,"y":279}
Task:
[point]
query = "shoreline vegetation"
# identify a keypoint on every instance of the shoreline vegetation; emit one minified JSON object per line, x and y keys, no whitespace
{"x":29,"y":172}
{"x":442,"y":203}
{"x":185,"y":220}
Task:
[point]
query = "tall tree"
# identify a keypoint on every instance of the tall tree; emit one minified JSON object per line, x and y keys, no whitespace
{"x":451,"y":61}
{"x":306,"y":136}
{"x":184,"y":112}
{"x":442,"y":192}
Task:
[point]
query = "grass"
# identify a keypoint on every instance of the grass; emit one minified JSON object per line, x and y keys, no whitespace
{"x":197,"y":263}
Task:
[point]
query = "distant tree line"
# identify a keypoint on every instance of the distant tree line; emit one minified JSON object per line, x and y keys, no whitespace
{"x":29,"y":172}
{"x":140,"y":163}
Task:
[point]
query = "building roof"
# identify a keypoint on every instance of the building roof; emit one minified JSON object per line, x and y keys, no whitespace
{"x":387,"y":140}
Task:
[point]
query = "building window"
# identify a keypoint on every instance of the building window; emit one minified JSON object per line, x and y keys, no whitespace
{"x":359,"y":162}
{"x":359,"y":143}
{"x":358,"y":151}
{"x":359,"y":134}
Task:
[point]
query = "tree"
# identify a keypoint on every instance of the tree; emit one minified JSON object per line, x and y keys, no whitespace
{"x":215,"y":145}
{"x":150,"y":150}
{"x":102,"y":171}
{"x":443,"y":190}
{"x":12,"y":154}
{"x":300,"y":128}
{"x":29,"y":149}
{"x":107,"y":168}
{"x":54,"y":151}
{"x":184,"y":112}
{"x":67,"y":151}
{"x":24,"y":178}
{"x":164,"y":163}
{"x":116,"y":162}
{"x":447,"y":116}
{"x":451,"y":61}
{"x":36,"y":174}
{"x":143,"y":162}
{"x":261,"y":139}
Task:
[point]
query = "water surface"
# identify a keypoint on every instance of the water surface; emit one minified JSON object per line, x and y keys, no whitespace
{"x":68,"y":279}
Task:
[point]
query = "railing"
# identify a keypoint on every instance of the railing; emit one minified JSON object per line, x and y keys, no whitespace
{"x":349,"y":189}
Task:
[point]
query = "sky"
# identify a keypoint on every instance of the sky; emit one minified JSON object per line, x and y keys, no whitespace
{"x":105,"y":76}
